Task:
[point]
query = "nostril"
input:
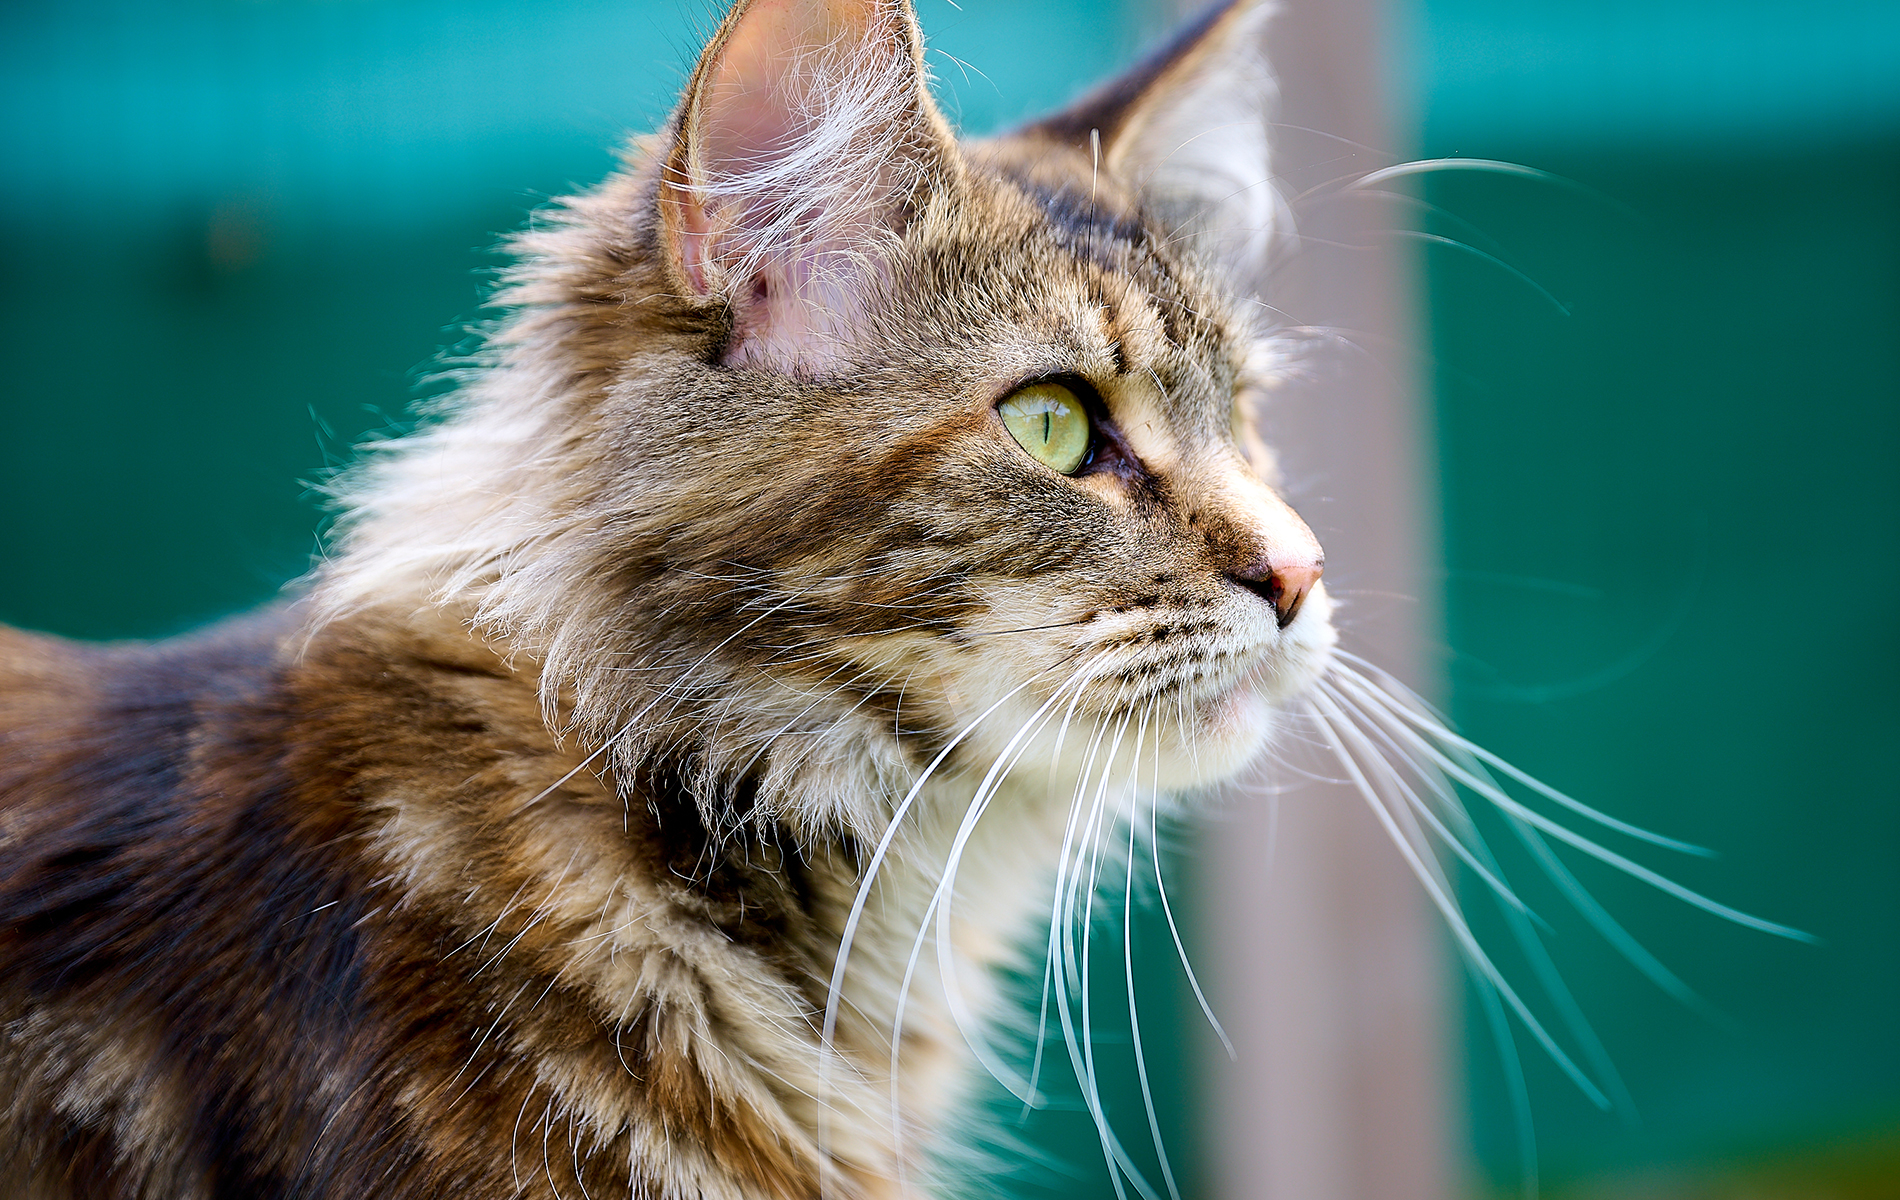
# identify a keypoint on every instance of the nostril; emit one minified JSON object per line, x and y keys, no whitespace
{"x":1285,"y":589}
{"x":1273,"y":590}
{"x":1269,"y":589}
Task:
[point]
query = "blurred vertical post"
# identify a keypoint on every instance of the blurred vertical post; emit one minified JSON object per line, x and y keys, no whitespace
{"x":1330,"y":979}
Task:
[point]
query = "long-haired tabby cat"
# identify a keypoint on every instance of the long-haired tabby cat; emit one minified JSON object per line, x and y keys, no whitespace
{"x":852,"y":531}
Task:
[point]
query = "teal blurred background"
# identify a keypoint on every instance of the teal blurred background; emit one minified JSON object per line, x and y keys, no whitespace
{"x":1672,"y":549}
{"x":235,"y":235}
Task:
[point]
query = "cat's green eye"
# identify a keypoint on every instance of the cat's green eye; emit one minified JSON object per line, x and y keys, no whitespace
{"x":1048,"y":421}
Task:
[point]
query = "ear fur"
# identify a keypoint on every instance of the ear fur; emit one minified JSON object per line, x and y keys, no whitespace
{"x":1188,"y":128}
{"x":803,"y":141}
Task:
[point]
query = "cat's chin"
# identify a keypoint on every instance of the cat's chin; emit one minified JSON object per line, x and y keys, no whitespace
{"x":1223,"y":737}
{"x":1226,"y":733}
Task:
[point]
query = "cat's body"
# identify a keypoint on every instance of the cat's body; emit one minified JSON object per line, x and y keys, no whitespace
{"x":612,"y":798}
{"x":341,"y":917}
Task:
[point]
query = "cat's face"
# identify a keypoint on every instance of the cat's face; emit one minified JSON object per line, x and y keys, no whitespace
{"x":898,"y":532}
{"x":1001,"y":388}
{"x":886,"y":433}
{"x":1134,"y":565}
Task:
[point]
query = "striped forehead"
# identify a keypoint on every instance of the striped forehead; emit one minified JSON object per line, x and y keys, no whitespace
{"x":1088,"y":223}
{"x":1160,"y":322}
{"x":1176,"y":351}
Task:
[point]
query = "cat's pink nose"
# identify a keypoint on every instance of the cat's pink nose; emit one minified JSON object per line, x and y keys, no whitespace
{"x":1283,"y":580}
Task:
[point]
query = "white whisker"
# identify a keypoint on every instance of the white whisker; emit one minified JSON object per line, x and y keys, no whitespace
{"x":1327,"y":713}
{"x":941,"y":903}
{"x":1492,"y":792}
{"x":1081,"y":1043}
{"x":1522,"y":922}
{"x":1128,"y":961}
{"x":1398,"y":699}
{"x":1415,"y":803}
{"x":1174,"y":931}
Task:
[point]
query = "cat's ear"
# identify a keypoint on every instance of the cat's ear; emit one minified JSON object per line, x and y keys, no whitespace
{"x":1188,"y":128}
{"x":801,"y":149}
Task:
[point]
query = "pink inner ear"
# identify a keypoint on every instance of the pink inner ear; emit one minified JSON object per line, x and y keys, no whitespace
{"x":803,"y":159}
{"x":752,"y":112}
{"x":802,"y":312}
{"x":744,"y":121}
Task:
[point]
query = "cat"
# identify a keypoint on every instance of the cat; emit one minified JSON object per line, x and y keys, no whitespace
{"x":851,"y":534}
{"x":602,"y":817}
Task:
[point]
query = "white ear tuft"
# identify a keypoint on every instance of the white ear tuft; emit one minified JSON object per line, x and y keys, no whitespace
{"x":805,"y":136}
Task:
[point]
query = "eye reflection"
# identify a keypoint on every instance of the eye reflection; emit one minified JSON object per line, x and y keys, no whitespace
{"x":1048,"y":421}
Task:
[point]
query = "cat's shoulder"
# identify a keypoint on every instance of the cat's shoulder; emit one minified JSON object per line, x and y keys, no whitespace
{"x":89,"y":718}
{"x":266,"y":710}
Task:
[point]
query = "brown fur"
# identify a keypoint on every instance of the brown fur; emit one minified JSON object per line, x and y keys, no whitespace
{"x":515,"y":860}
{"x":345,"y":922}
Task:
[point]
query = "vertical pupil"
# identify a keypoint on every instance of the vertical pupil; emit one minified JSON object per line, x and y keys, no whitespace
{"x":1046,"y":418}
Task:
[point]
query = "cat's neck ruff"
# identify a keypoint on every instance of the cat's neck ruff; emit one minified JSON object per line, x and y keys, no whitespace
{"x":964,"y":870}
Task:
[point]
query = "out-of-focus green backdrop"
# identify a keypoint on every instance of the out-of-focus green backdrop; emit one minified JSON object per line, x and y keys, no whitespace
{"x":235,"y":234}
{"x":1672,"y":549}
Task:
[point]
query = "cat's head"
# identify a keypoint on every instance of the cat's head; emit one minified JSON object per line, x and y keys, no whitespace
{"x":820,"y":435}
